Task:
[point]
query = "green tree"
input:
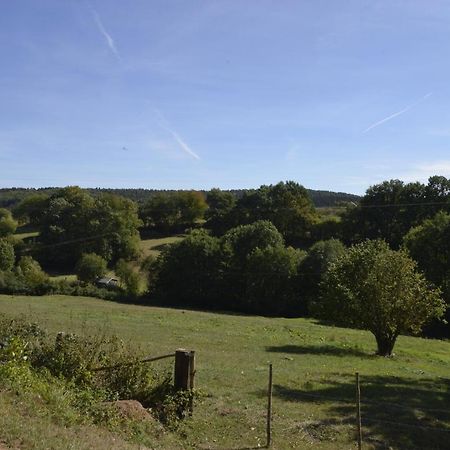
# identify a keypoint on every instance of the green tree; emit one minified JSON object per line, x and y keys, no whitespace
{"x":8,"y":225}
{"x":188,"y":272}
{"x":313,"y":267}
{"x":90,"y":267}
{"x":389,"y":209}
{"x":270,"y":281}
{"x":31,"y":209}
{"x":429,"y":245}
{"x":129,"y":278}
{"x":220,"y":206}
{"x":172,"y":212}
{"x":287,"y":205}
{"x":7,"y":256}
{"x":378,"y":289}
{"x":74,"y":223}
{"x":32,"y":272}
{"x":238,"y":244}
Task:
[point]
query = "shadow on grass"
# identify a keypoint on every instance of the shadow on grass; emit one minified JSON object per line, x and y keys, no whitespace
{"x":161,"y":247}
{"x":400,"y":413}
{"x":319,"y":350}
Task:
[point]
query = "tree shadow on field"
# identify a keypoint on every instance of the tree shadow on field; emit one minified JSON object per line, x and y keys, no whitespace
{"x":397,"y":413}
{"x":161,"y":247}
{"x":320,"y":350}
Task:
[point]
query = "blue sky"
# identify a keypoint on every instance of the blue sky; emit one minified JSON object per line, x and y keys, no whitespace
{"x":336,"y":95}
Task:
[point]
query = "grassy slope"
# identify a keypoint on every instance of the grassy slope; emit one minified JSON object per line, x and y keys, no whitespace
{"x":314,"y":368}
{"x":154,"y":246}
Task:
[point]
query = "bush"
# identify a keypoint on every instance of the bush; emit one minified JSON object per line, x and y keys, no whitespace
{"x":270,"y":276}
{"x":32,"y":272}
{"x":72,"y":357}
{"x":130,"y":279}
{"x":90,"y":267}
{"x":7,"y":256}
{"x":7,"y":224}
{"x":188,"y":271}
{"x":313,"y":268}
{"x":378,"y":289}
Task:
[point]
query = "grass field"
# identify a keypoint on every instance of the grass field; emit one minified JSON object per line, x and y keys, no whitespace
{"x":405,"y":399}
{"x":154,"y":246}
{"x":26,"y":235}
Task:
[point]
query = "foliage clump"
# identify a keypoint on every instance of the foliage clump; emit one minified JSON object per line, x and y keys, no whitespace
{"x":378,"y":289}
{"x":90,"y":267}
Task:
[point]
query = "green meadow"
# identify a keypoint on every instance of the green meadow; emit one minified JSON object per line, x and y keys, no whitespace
{"x":405,"y":399}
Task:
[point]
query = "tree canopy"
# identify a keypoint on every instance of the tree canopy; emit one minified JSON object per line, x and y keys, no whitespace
{"x":378,"y":289}
{"x":172,"y":212}
{"x":7,"y":223}
{"x":287,"y":205}
{"x":429,"y":245}
{"x":389,"y":209}
{"x":7,"y":256}
{"x":73,"y":222}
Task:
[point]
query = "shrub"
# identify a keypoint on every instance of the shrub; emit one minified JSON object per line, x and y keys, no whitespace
{"x":7,"y":224}
{"x":7,"y":256}
{"x":90,"y":267}
{"x":32,"y":272}
{"x":270,"y":276}
{"x":130,"y":279}
{"x":380,"y":290}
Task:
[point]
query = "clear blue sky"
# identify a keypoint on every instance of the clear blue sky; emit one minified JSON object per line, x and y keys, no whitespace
{"x":336,"y":95}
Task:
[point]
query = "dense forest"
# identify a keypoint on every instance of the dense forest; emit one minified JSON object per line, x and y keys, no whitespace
{"x":380,"y":263}
{"x":10,"y":197}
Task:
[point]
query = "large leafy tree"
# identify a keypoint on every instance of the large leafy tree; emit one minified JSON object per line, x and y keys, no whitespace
{"x":7,"y":223}
{"x":238,"y":244}
{"x":220,"y":205}
{"x":380,"y":290}
{"x":287,"y":205}
{"x":90,"y":267}
{"x":313,"y":267}
{"x":188,"y":271}
{"x":74,"y":222}
{"x":171,"y":212}
{"x":7,"y":256}
{"x":31,"y":208}
{"x":270,"y":281}
{"x":389,"y":209}
{"x":429,"y":245}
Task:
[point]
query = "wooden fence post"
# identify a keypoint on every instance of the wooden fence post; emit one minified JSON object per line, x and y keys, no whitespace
{"x":181,"y":377}
{"x":269,"y":409}
{"x":358,"y":412}
{"x":191,"y":381}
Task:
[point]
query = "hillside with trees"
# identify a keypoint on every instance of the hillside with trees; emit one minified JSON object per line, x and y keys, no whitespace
{"x":266,"y":251}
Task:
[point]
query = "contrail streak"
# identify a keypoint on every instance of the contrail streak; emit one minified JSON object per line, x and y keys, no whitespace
{"x":165,"y":126}
{"x":398,"y":113}
{"x":102,"y":29}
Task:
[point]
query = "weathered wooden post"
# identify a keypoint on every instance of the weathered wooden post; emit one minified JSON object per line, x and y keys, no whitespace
{"x":358,"y":413}
{"x":184,"y":377}
{"x":269,"y":409}
{"x":181,"y":377}
{"x":191,"y":381}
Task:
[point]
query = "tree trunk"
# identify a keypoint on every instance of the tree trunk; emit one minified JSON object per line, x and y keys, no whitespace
{"x":385,"y":344}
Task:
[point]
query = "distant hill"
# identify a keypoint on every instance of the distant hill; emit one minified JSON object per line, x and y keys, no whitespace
{"x":9,"y":197}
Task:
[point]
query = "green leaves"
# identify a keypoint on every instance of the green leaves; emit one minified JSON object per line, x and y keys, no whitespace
{"x":378,"y":289}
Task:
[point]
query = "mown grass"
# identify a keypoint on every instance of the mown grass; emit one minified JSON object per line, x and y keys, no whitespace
{"x":26,"y":235}
{"x":153,"y":247}
{"x":314,"y":367}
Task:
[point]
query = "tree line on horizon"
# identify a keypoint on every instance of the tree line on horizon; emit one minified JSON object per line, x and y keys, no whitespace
{"x":12,"y":196}
{"x":267,"y":251}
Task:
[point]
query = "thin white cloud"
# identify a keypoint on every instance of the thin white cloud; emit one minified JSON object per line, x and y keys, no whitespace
{"x":422,"y":171}
{"x":398,"y":113}
{"x":109,"y":40}
{"x":164,"y":124}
